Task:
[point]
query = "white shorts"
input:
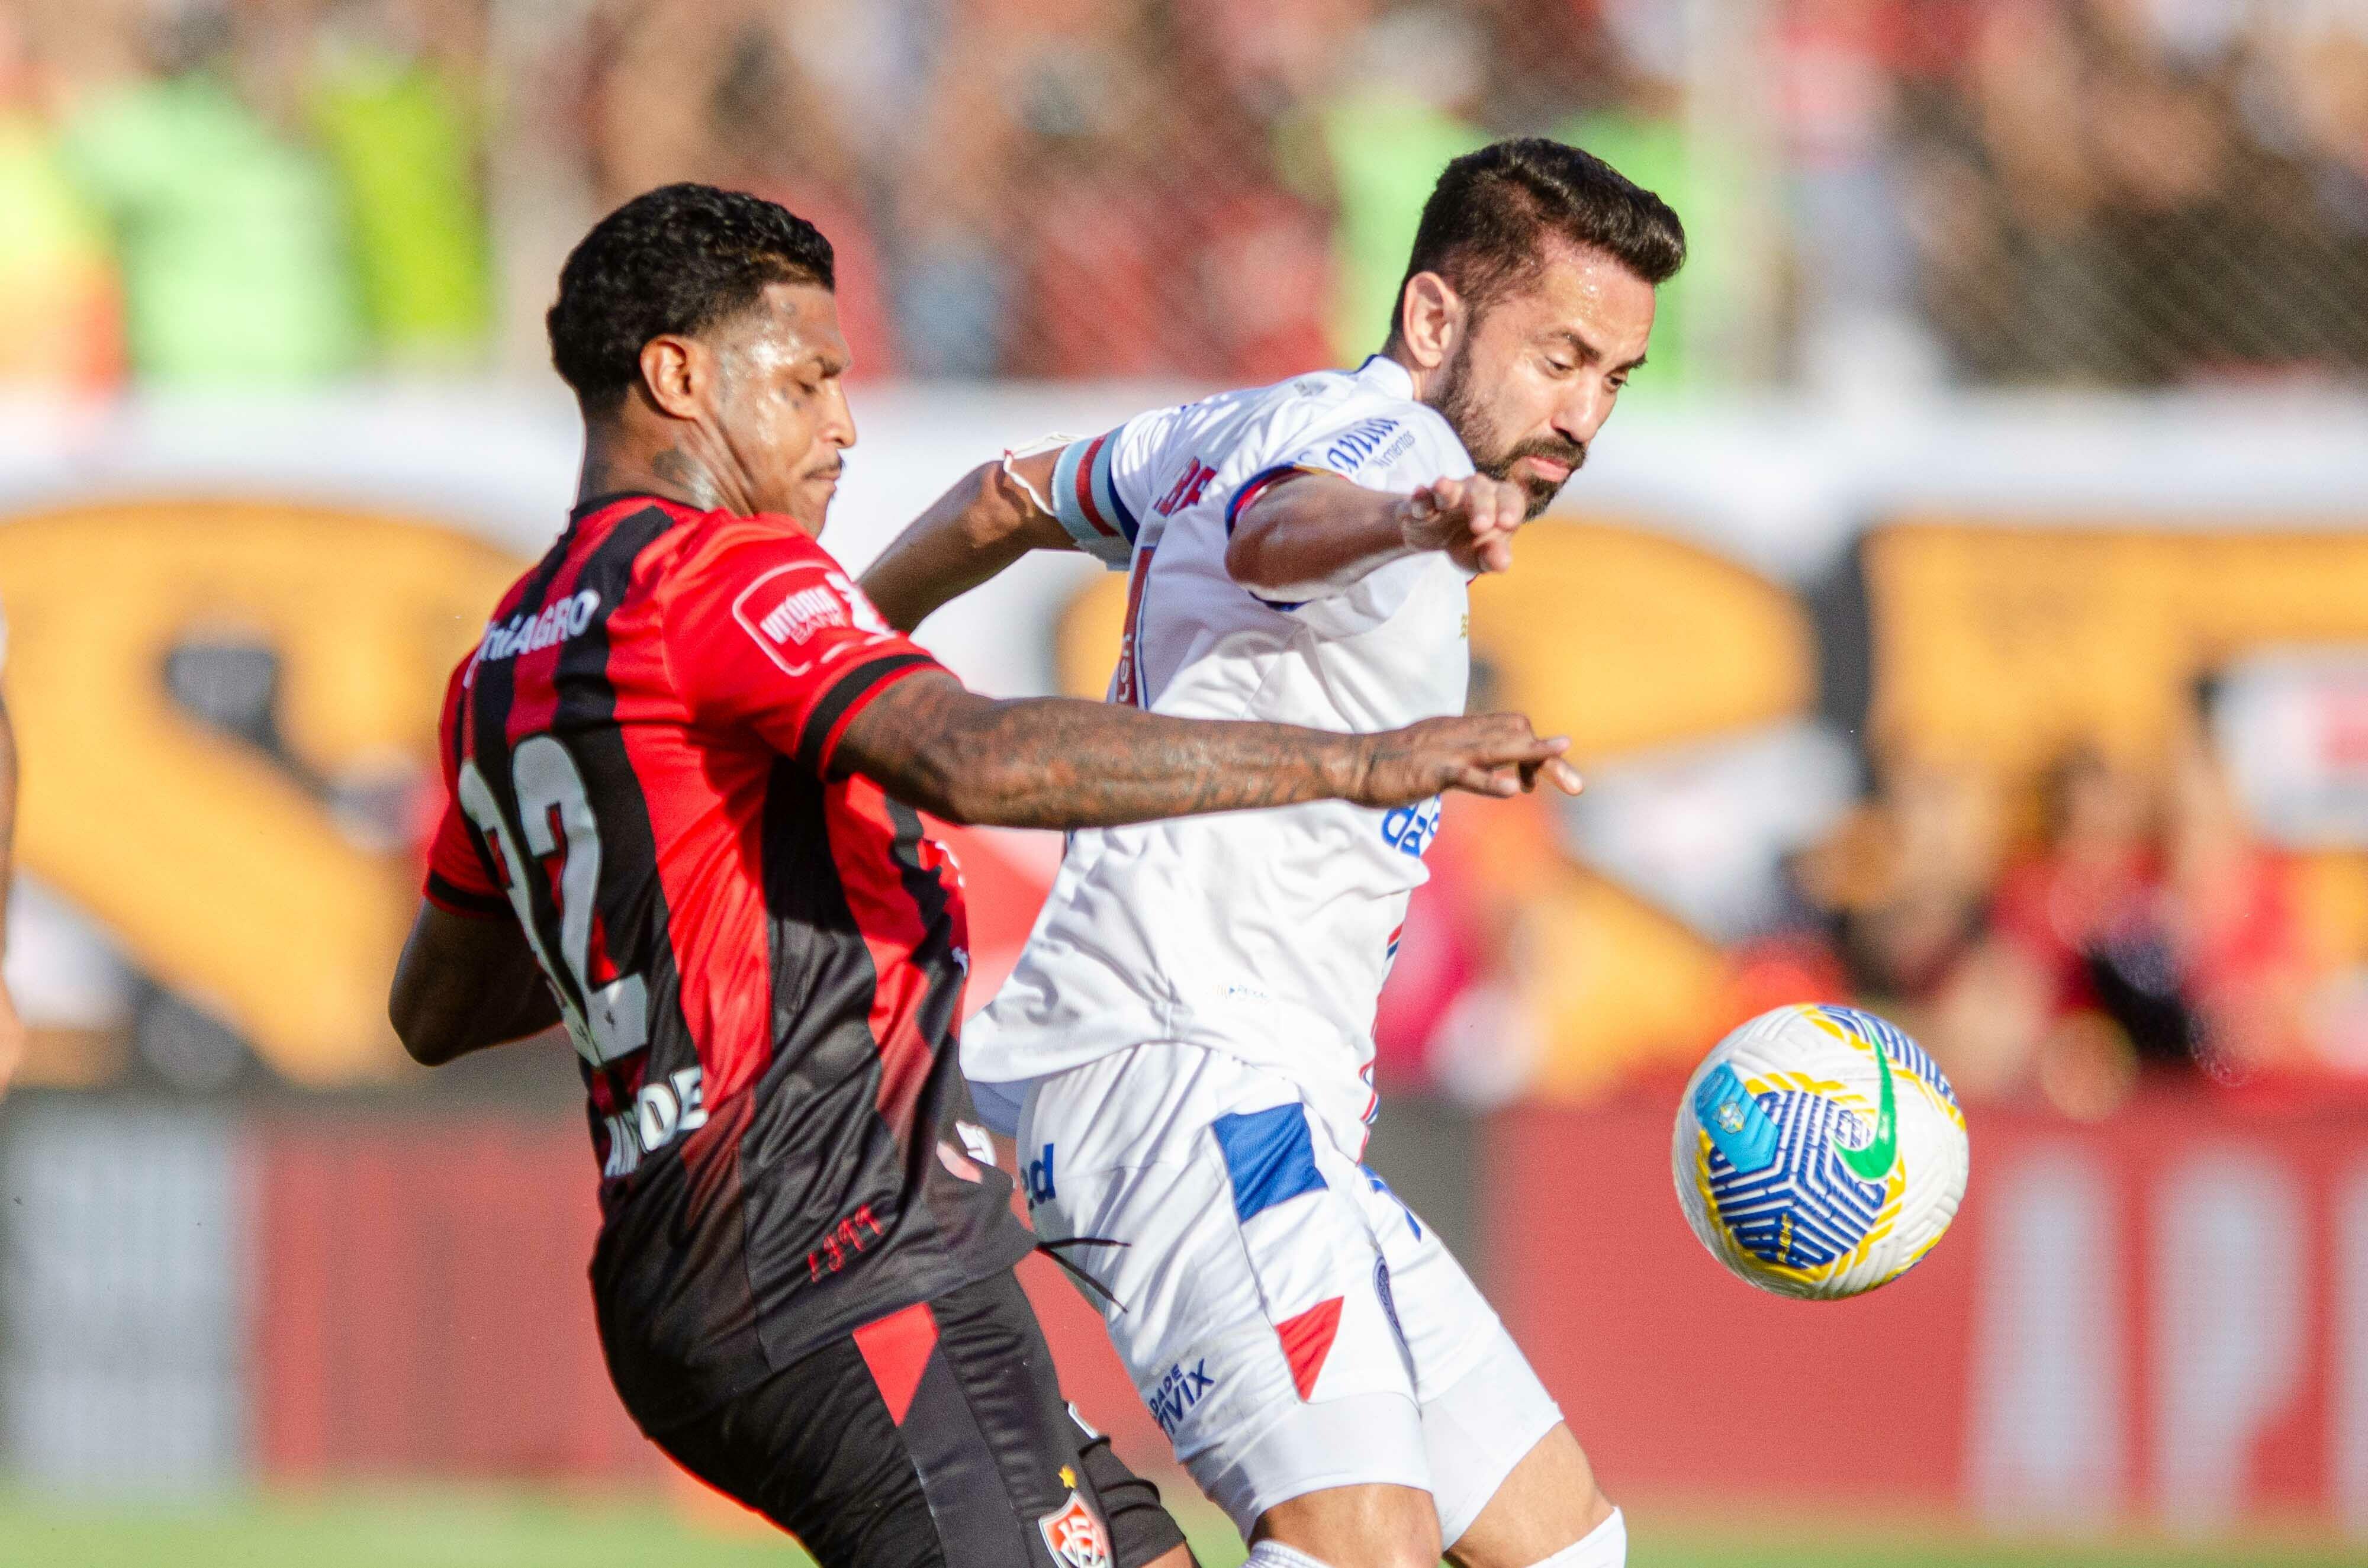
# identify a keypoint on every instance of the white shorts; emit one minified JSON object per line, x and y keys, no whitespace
{"x":1291,"y":1325}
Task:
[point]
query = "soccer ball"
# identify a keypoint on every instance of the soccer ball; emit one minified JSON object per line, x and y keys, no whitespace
{"x":1820,"y":1153}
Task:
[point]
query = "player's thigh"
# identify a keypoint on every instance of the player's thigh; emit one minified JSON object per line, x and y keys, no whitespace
{"x":1485,"y":1413}
{"x":1074,"y":1498}
{"x":1357,"y":1526}
{"x":1227,"y":1249}
{"x":1548,"y":1502}
{"x":936,"y":1435}
{"x":815,"y":1449}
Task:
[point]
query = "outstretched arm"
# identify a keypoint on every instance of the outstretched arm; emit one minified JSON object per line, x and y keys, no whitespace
{"x":972,"y":531}
{"x":1055,"y":762}
{"x":1310,"y":534}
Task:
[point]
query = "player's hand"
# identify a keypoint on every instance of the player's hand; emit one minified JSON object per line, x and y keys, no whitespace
{"x":1491,"y":754}
{"x":1471,"y":519}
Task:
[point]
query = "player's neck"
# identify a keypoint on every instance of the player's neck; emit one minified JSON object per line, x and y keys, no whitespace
{"x":1395,"y":353}
{"x":620,"y":462}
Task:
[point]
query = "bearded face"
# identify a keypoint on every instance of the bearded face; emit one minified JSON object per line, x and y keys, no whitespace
{"x":1535,"y":369}
{"x":1462,"y":399}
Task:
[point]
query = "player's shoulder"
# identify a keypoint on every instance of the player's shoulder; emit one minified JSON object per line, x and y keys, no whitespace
{"x":1361,"y":417}
{"x":710,"y":535}
{"x":712,"y":551}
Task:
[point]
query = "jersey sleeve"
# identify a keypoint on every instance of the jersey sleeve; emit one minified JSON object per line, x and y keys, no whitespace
{"x":1393,"y":448}
{"x":765,"y":630}
{"x":459,"y":880}
{"x":1102,"y":485}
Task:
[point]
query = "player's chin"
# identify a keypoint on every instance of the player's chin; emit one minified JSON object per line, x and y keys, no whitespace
{"x":815,"y":492}
{"x":1541,"y":493}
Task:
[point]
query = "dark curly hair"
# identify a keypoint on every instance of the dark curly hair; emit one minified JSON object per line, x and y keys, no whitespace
{"x":1485,"y":226}
{"x":676,"y":259}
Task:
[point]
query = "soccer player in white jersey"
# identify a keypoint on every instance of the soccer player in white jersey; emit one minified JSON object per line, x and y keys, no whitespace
{"x":1185,"y":1049}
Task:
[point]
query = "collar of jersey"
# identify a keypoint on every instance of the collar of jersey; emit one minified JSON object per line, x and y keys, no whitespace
{"x":1381,"y":372}
{"x":590,"y":504}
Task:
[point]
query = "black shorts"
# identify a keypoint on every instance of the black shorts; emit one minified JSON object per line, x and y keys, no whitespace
{"x":936,"y":1435}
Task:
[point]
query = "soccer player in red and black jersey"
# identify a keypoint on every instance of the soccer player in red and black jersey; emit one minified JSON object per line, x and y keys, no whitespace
{"x":686,"y":766}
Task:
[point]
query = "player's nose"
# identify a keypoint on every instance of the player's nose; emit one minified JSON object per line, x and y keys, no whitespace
{"x":838,"y":425}
{"x":1583,"y":410}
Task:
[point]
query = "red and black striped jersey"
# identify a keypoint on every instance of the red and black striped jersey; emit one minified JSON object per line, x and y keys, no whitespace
{"x":758,"y":957}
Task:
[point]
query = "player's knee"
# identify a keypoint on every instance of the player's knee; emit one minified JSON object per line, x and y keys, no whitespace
{"x":1374,"y":1553}
{"x":1414,"y":1545}
{"x":1354,"y":1527}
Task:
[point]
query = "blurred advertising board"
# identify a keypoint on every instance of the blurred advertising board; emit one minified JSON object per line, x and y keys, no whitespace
{"x":2159,"y":1320}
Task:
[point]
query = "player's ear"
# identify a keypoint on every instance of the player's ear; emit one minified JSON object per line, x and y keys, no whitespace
{"x":672,"y":369}
{"x":1430,"y":319}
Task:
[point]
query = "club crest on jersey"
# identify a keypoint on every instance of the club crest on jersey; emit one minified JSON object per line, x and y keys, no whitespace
{"x":1075,"y":1535}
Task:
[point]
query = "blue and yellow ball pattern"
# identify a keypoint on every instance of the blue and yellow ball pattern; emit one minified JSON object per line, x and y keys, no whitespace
{"x":1819,"y":1151}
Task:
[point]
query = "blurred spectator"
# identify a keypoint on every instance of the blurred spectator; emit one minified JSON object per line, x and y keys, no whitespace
{"x":2153,"y":910}
{"x":1892,"y":910}
{"x":2117,"y":193}
{"x":1401,"y":112}
{"x":62,"y":325}
{"x":391,"y":92}
{"x":958,"y":231}
{"x":229,"y":233}
{"x":1109,"y":208}
{"x":1846,"y":69}
{"x":713,"y":90}
{"x":1262,"y":279}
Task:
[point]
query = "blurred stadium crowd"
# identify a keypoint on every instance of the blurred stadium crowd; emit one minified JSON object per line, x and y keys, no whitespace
{"x":2106,"y":192}
{"x":2137,"y":926}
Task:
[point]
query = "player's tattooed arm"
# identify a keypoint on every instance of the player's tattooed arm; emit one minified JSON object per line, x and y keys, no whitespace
{"x":463,"y":984}
{"x":984,"y":524}
{"x":1314,"y":534}
{"x":1055,"y":762}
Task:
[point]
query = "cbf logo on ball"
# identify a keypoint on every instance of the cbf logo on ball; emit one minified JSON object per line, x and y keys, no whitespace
{"x":1819,"y":1151}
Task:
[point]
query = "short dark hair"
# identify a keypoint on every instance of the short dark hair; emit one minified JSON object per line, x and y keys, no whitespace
{"x":676,"y":259}
{"x":1485,"y":226}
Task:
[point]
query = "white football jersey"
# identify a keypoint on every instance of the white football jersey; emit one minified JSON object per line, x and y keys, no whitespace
{"x":1263,"y":933}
